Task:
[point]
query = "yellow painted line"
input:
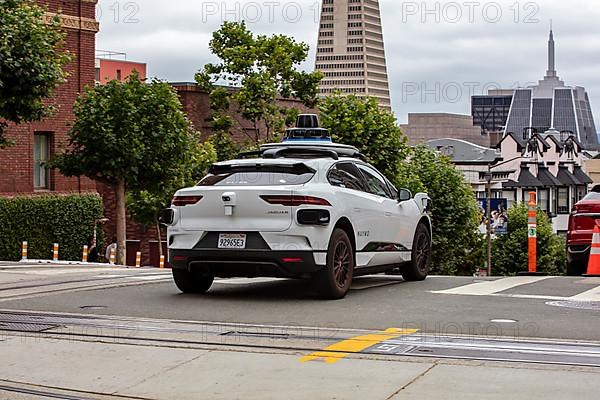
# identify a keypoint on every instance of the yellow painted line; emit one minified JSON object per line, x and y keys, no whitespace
{"x":343,"y":349}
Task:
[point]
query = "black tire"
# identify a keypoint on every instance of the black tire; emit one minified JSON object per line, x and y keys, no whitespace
{"x":192,"y":282}
{"x":334,"y":281}
{"x":420,"y":263}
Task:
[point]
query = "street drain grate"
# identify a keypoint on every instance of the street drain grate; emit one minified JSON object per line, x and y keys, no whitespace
{"x":20,"y":327}
{"x":93,"y":307}
{"x":577,"y":305}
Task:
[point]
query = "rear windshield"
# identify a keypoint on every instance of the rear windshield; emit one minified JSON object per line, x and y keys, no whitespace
{"x":592,"y":196}
{"x":258,"y":176}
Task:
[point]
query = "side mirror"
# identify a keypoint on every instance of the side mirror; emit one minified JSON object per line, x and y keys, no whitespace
{"x":404,"y":195}
{"x":167,"y":216}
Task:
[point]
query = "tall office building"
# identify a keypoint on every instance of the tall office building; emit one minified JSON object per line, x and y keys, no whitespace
{"x":350,"y":51}
{"x":552,"y":104}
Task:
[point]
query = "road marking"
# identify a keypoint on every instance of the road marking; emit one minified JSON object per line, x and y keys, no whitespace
{"x":590,"y":295}
{"x":490,"y":287}
{"x":343,"y":349}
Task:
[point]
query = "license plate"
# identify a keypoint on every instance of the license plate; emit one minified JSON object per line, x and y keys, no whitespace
{"x":232,"y":241}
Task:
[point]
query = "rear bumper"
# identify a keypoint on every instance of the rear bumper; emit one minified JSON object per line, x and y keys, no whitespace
{"x":246,"y":263}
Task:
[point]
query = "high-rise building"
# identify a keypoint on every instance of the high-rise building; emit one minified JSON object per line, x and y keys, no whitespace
{"x":551,"y":105}
{"x":350,"y":50}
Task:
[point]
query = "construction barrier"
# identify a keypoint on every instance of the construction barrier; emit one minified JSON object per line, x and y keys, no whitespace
{"x":24,"y":251}
{"x":113,"y":256}
{"x":138,"y":259}
{"x":55,"y":252}
{"x":162,"y":262}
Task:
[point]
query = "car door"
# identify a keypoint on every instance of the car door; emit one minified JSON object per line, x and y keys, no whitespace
{"x":359,"y":206}
{"x":388,"y":243}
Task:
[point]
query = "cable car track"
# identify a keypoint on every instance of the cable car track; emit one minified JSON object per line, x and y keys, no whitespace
{"x":263,"y":338}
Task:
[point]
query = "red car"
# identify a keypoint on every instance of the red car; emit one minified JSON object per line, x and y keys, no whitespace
{"x":584,"y":217}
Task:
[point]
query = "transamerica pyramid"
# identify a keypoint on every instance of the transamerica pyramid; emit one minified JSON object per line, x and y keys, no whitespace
{"x":350,"y":51}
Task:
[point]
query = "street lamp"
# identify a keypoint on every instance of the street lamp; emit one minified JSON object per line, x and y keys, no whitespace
{"x":488,"y":180}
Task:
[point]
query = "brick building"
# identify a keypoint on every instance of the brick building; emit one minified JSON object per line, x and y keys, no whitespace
{"x":196,"y":105}
{"x":21,"y":166}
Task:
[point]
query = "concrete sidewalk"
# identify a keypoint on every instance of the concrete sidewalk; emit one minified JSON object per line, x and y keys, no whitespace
{"x":93,"y":370}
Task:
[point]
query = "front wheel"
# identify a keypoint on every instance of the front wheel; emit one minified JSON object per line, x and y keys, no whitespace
{"x":420,"y":263}
{"x":192,"y":282}
{"x":335,"y":280}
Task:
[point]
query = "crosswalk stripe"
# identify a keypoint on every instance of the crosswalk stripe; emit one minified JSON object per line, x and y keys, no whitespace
{"x":490,"y":287}
{"x":590,"y":295}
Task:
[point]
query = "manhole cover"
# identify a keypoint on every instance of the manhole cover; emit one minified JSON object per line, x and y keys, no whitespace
{"x":92,"y":307}
{"x":578,"y":305}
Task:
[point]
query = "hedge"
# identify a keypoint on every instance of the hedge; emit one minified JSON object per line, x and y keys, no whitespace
{"x":44,"y":220}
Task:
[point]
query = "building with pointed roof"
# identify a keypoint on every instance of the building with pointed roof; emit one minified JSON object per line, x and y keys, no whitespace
{"x":551,"y":105}
{"x":350,"y":50}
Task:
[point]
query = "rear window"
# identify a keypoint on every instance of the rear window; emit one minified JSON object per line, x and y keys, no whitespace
{"x":258,"y":176}
{"x":592,"y":196}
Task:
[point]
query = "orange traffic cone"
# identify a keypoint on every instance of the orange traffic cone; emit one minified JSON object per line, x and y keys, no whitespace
{"x":594,"y":263}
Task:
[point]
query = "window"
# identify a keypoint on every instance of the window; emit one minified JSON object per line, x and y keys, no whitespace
{"x":118,"y":74}
{"x":267,"y":175}
{"x":544,"y":200}
{"x":563,"y":200}
{"x":41,"y":153}
{"x":346,"y":175}
{"x":375,"y":182}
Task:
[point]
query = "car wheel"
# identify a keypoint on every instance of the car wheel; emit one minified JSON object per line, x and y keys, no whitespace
{"x":335,"y":280}
{"x":420,"y":263}
{"x":192,"y":282}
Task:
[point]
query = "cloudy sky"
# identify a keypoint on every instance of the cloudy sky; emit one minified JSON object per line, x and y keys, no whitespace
{"x":438,"y":53}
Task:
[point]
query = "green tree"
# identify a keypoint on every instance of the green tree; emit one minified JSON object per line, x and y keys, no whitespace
{"x":226,"y":148}
{"x":130,"y":135}
{"x":31,"y":62}
{"x":362,"y":123}
{"x":145,"y":205}
{"x":456,"y":241}
{"x":260,"y":69}
{"x":510,"y":252}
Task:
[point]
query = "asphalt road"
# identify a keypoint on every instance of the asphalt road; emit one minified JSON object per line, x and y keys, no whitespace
{"x":378,"y":302}
{"x":96,"y":332}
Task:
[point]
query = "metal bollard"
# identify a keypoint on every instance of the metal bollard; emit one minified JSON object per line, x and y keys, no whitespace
{"x":55,"y":252}
{"x":85,"y":254}
{"x":24,"y":251}
{"x":162,"y":262}
{"x":113,"y":256}
{"x":138,"y":259}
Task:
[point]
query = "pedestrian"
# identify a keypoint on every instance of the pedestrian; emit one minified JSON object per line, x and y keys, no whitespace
{"x":92,"y":250}
{"x":112,"y":245}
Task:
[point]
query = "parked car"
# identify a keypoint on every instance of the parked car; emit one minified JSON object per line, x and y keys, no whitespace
{"x":585,"y":215}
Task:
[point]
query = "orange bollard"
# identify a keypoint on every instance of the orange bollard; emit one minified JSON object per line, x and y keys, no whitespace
{"x":594,"y":262}
{"x":532,"y":237}
{"x":84,"y":258}
{"x":532,"y":229}
{"x":113,"y":256}
{"x":55,"y":252}
{"x":24,"y":251}
{"x":138,"y":259}
{"x":162,"y":262}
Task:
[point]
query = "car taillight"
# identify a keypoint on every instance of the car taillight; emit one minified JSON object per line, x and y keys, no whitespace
{"x":182,"y":201}
{"x":295,"y":201}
